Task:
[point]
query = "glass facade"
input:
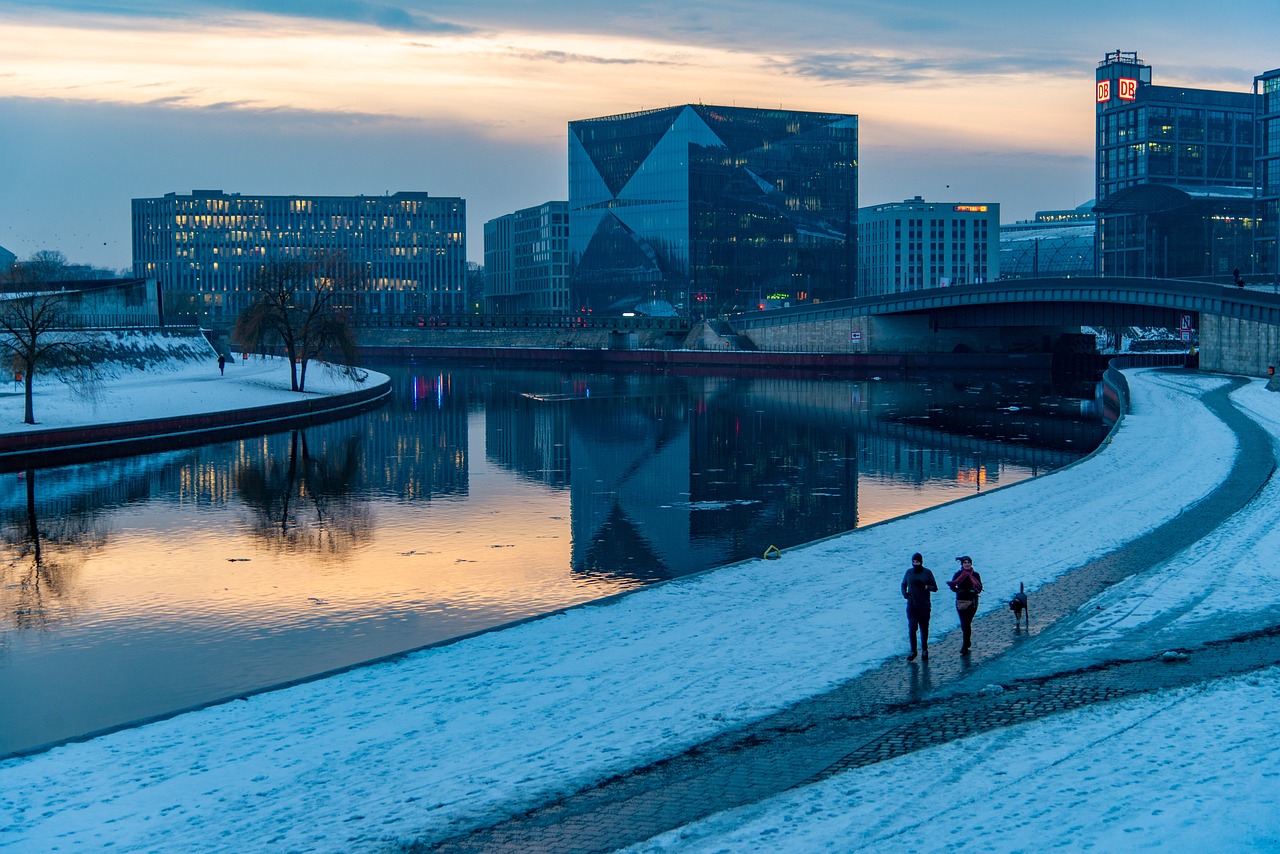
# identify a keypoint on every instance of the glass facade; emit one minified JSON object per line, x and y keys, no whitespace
{"x":1266,"y":89}
{"x":1048,"y":251}
{"x":526,"y":260}
{"x":699,"y":209}
{"x":1199,"y":141}
{"x":205,"y":247}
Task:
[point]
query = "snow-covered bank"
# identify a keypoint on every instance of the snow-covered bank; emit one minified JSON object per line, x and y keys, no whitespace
{"x":1191,"y":770}
{"x":168,"y":387}
{"x":451,"y":737}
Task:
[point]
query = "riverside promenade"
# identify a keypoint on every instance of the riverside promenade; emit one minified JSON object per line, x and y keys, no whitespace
{"x":763,"y":705}
{"x":895,"y":709}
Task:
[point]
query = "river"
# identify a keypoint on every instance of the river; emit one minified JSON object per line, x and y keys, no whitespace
{"x":135,"y":587}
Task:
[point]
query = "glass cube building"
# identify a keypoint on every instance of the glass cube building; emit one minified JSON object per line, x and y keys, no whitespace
{"x":701,"y":209}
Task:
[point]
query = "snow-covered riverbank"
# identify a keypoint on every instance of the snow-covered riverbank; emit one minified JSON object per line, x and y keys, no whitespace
{"x":462,"y":735}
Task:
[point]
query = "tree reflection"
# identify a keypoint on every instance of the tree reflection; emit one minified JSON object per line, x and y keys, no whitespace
{"x":41,"y":562}
{"x":303,"y":502}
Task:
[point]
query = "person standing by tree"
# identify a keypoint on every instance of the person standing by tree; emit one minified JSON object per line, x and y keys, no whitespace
{"x":966,"y":584}
{"x":917,"y":584}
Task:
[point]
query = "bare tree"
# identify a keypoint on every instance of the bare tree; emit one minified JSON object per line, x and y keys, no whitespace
{"x":37,"y":333}
{"x":296,"y":308}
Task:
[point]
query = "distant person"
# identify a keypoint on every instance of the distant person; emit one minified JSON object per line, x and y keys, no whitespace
{"x":1237,"y":278}
{"x":222,"y":365}
{"x":917,"y":584}
{"x":966,"y":584}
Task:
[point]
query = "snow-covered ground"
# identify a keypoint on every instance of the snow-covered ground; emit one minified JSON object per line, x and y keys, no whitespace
{"x":461,"y":735}
{"x":161,"y":376}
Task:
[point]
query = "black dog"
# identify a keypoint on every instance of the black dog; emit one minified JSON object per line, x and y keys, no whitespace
{"x":1018,"y":604}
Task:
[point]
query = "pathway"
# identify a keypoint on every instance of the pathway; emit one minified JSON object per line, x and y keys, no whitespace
{"x":900,"y":708}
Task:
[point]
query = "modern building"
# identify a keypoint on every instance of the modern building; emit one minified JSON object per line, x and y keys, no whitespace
{"x":915,"y":244}
{"x":7,"y":260}
{"x":1174,"y":176}
{"x":1266,"y":90}
{"x":698,"y":208}
{"x":526,"y":261}
{"x":205,"y":247}
{"x":1058,"y":243}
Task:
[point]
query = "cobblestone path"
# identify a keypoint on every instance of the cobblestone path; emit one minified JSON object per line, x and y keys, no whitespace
{"x":899,"y":707}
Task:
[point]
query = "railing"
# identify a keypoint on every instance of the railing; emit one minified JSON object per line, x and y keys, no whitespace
{"x":519,"y":321}
{"x":140,"y":320}
{"x":1115,"y":388}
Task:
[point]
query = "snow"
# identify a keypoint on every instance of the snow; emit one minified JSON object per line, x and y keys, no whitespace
{"x":1193,"y":770}
{"x":462,"y":735}
{"x":160,"y":376}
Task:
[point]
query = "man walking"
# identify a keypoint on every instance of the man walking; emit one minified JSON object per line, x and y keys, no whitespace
{"x":917,"y":584}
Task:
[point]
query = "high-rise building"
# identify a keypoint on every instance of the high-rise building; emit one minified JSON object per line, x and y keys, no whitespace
{"x":526,"y":261}
{"x":205,"y":247}
{"x":1174,"y":175}
{"x":699,"y":208}
{"x":915,"y":244}
{"x":1266,"y":89}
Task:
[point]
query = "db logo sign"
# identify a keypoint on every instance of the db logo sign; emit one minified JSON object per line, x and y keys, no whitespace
{"x":1126,"y":89}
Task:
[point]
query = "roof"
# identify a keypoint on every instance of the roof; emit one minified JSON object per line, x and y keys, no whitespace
{"x":1162,"y":198}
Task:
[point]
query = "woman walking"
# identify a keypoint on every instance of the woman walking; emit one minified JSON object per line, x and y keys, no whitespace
{"x":966,"y":584}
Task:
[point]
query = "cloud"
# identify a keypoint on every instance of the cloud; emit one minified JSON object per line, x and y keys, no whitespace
{"x":383,"y":15}
{"x":563,"y":57}
{"x":880,"y":68}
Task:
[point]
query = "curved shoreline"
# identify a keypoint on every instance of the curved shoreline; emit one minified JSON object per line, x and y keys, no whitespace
{"x":460,"y":738}
{"x":64,"y":445}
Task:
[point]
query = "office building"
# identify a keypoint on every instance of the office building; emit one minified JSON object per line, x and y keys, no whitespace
{"x":1174,"y":176}
{"x":526,"y":261}
{"x":1266,"y":89}
{"x":697,"y":209}
{"x":916,"y":244}
{"x":205,"y":247}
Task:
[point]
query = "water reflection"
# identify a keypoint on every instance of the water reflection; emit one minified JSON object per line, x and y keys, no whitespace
{"x":137,"y":586}
{"x":304,"y":502}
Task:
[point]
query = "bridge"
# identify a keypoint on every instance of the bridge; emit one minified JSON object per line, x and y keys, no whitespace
{"x":1238,"y":329}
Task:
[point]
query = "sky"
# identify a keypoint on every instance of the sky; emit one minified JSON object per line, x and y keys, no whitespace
{"x":517,"y":717}
{"x":102,"y":101}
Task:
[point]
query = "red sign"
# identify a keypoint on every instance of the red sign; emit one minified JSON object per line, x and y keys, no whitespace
{"x":1128,"y":88}
{"x":1104,"y":91}
{"x":855,"y":336}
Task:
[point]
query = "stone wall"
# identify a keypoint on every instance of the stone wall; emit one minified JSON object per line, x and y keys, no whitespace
{"x":900,"y":334}
{"x":1232,"y":346}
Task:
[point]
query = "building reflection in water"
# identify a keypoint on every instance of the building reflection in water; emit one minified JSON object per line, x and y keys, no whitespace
{"x":136,"y":586}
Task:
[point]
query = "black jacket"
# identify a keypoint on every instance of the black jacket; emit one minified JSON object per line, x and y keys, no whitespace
{"x":917,"y":584}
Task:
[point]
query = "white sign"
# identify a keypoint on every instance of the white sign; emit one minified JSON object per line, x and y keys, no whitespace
{"x":1186,"y":322}
{"x":855,"y":336}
